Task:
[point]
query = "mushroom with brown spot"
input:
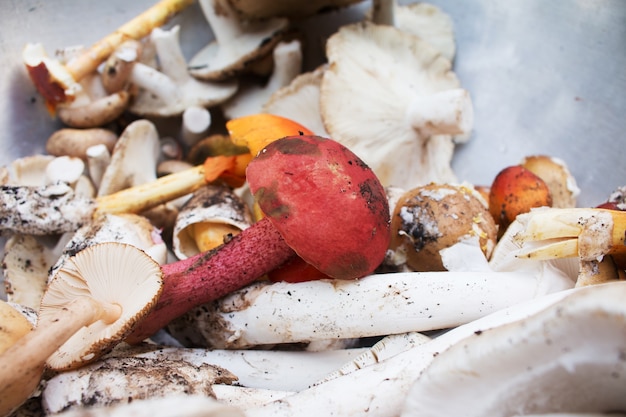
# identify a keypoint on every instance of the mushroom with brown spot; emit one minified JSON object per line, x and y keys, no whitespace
{"x":83,"y":313}
{"x":75,"y":142}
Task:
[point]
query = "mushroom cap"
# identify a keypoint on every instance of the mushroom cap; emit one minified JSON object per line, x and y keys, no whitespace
{"x":566,"y":358}
{"x":299,"y":181}
{"x":112,"y":273}
{"x":375,"y":72}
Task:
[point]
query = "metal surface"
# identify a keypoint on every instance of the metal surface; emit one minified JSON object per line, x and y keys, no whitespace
{"x":545,"y":77}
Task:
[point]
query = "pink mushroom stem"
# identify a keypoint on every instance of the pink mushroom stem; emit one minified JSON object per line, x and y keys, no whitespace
{"x":321,"y":202}
{"x":248,"y":256}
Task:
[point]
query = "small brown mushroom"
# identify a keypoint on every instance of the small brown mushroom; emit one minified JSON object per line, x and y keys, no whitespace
{"x":75,"y":142}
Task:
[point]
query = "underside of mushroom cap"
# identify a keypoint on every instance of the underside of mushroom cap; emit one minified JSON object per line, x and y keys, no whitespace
{"x":113,"y":273}
{"x":374,"y":74}
{"x":328,"y":205}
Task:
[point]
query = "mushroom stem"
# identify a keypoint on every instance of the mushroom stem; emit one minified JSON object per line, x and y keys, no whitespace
{"x":448,"y":112}
{"x":379,"y":304}
{"x":145,"y":196}
{"x":214,"y":274}
{"x":29,"y":354}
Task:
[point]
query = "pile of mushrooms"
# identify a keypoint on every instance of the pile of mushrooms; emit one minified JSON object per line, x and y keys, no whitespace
{"x":143,"y":248}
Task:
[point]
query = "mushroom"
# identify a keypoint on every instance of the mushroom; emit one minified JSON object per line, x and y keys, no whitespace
{"x":433,"y":217}
{"x":251,"y":98}
{"x":300,"y":101}
{"x":212,"y":216}
{"x":14,"y":326}
{"x":282,"y":177}
{"x":133,"y":160}
{"x":83,"y":313}
{"x":399,"y":114}
{"x":195,"y":125}
{"x":121,"y":380}
{"x":76,"y":142}
{"x":172,"y":90}
{"x":59,"y":83}
{"x":173,"y":369}
{"x":588,"y":234}
{"x":236,"y":42}
{"x":378,"y":305}
{"x":555,"y":173}
{"x":179,"y":405}
{"x":566,"y":358}
{"x":421,"y":19}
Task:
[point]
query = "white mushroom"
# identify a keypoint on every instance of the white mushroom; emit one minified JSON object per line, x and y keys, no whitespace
{"x":178,"y":405}
{"x":171,"y":90}
{"x":195,"y":125}
{"x":378,"y":83}
{"x":251,"y":97}
{"x":90,"y":305}
{"x":376,"y":305}
{"x":98,"y":159}
{"x":236,"y":42}
{"x":422,"y":19}
{"x":300,"y":101}
{"x":67,"y":169}
{"x":123,"y":380}
{"x":567,"y":358}
{"x":134,"y":158}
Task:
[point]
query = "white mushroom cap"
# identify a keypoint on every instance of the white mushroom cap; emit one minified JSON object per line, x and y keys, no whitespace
{"x":170,"y":91}
{"x":134,"y":158}
{"x":300,"y":101}
{"x":566,"y":358}
{"x":375,"y":74}
{"x":111,"y":273}
{"x":422,"y":19}
{"x":237,"y":42}
{"x":251,"y":98}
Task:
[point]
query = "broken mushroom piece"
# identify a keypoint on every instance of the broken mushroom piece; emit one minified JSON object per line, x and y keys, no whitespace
{"x":251,"y":98}
{"x":236,"y":42}
{"x":170,"y":91}
{"x":283,"y":177}
{"x":90,"y":305}
{"x":211,"y":217}
{"x":555,"y":173}
{"x":566,"y":358}
{"x":59,"y":83}
{"x":589,"y":234}
{"x":394,"y":101}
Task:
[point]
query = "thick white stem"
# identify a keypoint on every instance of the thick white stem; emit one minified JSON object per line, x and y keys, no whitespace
{"x":154,"y":81}
{"x":372,"y":306}
{"x":287,"y":65}
{"x":380,"y":390}
{"x":171,"y":58}
{"x":448,"y":112}
{"x":98,"y":159}
{"x":196,"y":124}
{"x":225,"y":25}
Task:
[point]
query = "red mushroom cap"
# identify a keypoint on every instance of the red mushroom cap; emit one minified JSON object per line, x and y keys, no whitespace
{"x":328,"y":205}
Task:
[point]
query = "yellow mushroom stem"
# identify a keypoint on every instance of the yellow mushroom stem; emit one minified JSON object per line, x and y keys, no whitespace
{"x":22,"y":365}
{"x":209,"y":235}
{"x":137,"y":28}
{"x":588,"y":233}
{"x":146,"y":196}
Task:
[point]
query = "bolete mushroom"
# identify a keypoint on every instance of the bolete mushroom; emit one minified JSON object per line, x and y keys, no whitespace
{"x":283,"y":178}
{"x":90,"y":305}
{"x":59,"y":83}
{"x":394,"y":100}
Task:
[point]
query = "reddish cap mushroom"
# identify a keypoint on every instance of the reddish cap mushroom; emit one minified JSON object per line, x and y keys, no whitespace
{"x":300,"y":181}
{"x":320,"y":201}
